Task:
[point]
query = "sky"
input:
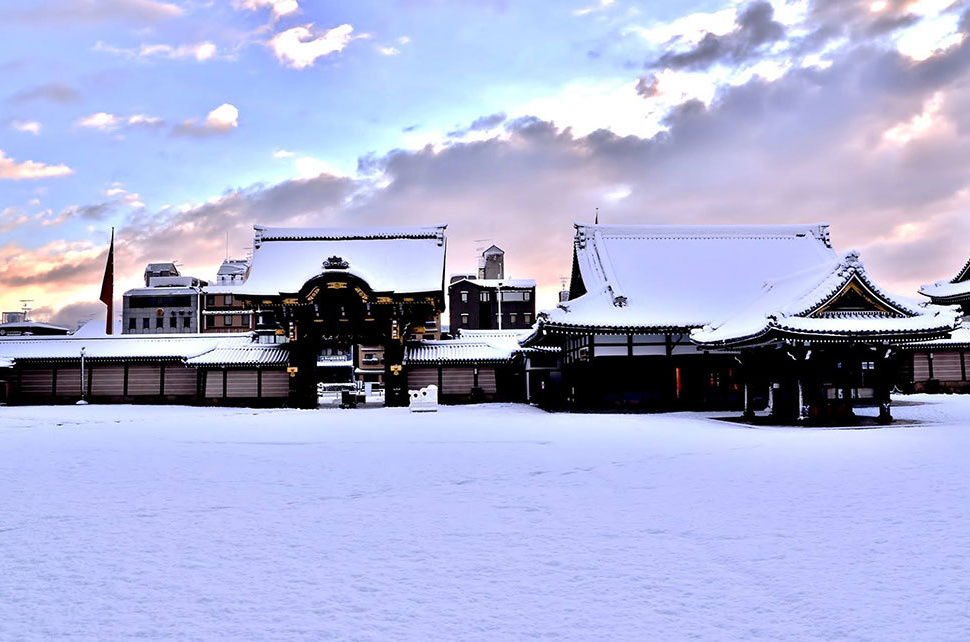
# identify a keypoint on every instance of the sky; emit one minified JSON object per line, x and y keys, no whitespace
{"x":182,"y":123}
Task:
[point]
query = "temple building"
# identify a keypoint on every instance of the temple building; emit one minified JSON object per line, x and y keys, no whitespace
{"x":941,"y":365}
{"x":318,"y":289}
{"x":728,"y":317}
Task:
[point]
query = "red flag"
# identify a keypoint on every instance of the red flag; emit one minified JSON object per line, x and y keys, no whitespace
{"x":108,"y":284}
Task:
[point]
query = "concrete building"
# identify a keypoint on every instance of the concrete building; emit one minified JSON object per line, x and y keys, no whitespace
{"x":221,"y":310}
{"x":168,"y":304}
{"x":488,"y":300}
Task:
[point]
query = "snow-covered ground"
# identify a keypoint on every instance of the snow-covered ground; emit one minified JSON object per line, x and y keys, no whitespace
{"x":481,"y":523}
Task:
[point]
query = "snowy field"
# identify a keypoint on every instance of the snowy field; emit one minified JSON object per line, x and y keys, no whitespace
{"x":480,"y":523}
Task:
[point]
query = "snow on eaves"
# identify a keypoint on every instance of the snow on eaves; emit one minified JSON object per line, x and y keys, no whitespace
{"x":264,"y":233}
{"x":946,"y":290}
{"x":657,"y":276}
{"x":117,"y":347}
{"x":496,"y":283}
{"x":403,"y":260}
{"x":243,"y":355}
{"x":789,"y":304}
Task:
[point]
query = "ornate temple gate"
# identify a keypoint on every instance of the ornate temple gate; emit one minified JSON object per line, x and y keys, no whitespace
{"x":336,"y":309}
{"x":372,"y":287}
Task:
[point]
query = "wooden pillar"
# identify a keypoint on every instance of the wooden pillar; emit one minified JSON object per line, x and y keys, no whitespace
{"x":748,"y":412}
{"x":395,"y":382}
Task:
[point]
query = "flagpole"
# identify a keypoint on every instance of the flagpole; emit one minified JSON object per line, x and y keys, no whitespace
{"x":108,"y":285}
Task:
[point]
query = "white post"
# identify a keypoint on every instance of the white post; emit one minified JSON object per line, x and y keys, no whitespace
{"x":498,"y":293}
{"x":771,"y":398}
{"x":82,"y":401}
{"x":802,"y":414}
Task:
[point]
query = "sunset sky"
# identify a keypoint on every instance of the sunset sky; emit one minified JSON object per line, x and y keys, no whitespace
{"x":178,"y":121}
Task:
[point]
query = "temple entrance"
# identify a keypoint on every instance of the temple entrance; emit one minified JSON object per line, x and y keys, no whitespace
{"x":325,"y":322}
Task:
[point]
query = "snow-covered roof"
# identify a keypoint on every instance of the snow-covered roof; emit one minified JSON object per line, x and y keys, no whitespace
{"x":668,"y":276}
{"x":457,"y":350}
{"x":944,"y":290}
{"x":398,"y":259}
{"x":511,"y":338}
{"x":161,"y":291}
{"x":495,"y":283}
{"x":174,"y":346}
{"x":798,"y":304}
{"x":26,"y":326}
{"x":249,"y":354}
{"x":959,"y":338}
{"x":232,"y":267}
{"x":471,"y":345}
{"x":166,"y":266}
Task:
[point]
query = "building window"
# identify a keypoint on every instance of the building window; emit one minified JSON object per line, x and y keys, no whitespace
{"x":131,"y":323}
{"x":210,"y":300}
{"x":144,"y":323}
{"x":228,"y":299}
{"x":483,"y":297}
{"x":172,"y":322}
{"x":210,"y":322}
{"x":526,"y":296}
{"x":464,"y":296}
{"x":527,"y":317}
{"x":513,"y":317}
{"x":464,"y":319}
{"x":227,"y":321}
{"x":186,"y":322}
{"x":159,"y":322}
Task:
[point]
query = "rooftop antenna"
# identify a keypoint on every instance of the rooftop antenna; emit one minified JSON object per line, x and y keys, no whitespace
{"x":227,"y":245}
{"x":597,"y":221}
{"x":25,"y":308}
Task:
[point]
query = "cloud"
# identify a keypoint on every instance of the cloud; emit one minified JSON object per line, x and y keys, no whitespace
{"x":53,"y":92}
{"x":11,"y":170}
{"x":279,"y":7}
{"x":143,"y":120}
{"x":648,"y":88}
{"x":480,"y":124}
{"x":70,"y":12}
{"x":600,"y":6}
{"x":808,"y":145}
{"x":282,"y":153}
{"x":300,"y":47}
{"x":107,"y":122}
{"x":756,"y":27}
{"x":201,"y":52}
{"x":102,"y":121}
{"x":309,"y":167}
{"x":220,"y":120}
{"x":71,"y":315}
{"x":28,"y":126}
{"x":388,"y":51}
{"x":58,"y":262}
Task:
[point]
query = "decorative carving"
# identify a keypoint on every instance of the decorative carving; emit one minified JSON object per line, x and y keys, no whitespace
{"x":335,"y":263}
{"x":619,"y":301}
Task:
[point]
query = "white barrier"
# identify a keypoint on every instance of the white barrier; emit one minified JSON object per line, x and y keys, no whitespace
{"x":425,"y":399}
